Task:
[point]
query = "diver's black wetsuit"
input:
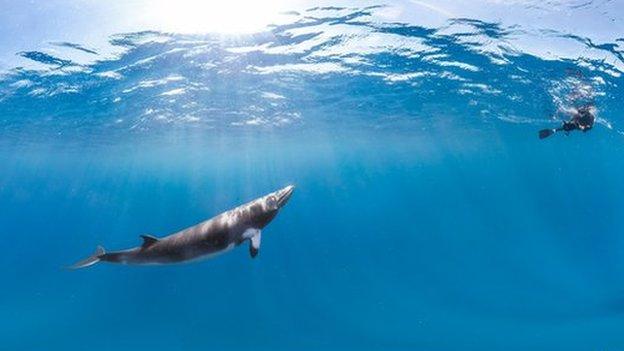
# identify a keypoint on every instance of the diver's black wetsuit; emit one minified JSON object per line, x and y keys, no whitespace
{"x":582,"y":120}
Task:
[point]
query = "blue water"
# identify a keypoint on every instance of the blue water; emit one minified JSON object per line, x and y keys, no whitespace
{"x":427,"y":213}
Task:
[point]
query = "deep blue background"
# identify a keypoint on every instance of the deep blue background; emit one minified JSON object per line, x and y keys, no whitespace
{"x":463,"y":240}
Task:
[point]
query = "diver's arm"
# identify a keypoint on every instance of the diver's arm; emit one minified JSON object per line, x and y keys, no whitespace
{"x":585,"y":128}
{"x":570,"y":111}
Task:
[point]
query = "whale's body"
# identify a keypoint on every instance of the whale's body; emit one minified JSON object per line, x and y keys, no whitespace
{"x":216,"y":235}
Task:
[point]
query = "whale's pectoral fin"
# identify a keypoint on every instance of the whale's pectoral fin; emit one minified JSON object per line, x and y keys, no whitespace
{"x":254,"y":244}
{"x":148,"y":241}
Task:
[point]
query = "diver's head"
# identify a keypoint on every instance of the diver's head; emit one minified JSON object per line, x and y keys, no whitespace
{"x":587,"y":109}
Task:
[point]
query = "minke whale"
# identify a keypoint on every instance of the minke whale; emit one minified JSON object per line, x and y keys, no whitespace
{"x":206,"y":239}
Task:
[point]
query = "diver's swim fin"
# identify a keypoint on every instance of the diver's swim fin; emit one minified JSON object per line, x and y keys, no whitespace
{"x":91,"y":260}
{"x":545,"y":133}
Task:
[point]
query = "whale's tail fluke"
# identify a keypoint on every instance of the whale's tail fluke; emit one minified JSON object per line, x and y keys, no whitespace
{"x":91,"y":260}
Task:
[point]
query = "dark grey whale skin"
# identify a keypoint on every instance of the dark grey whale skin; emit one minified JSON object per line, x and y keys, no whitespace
{"x":216,"y":235}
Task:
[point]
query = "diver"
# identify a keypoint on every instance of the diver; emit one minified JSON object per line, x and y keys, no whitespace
{"x":583,"y":119}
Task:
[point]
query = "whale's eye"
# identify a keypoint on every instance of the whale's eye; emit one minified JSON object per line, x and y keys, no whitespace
{"x":271,"y":202}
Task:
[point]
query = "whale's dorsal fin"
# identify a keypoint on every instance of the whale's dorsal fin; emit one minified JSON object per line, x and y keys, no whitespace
{"x":148,"y":241}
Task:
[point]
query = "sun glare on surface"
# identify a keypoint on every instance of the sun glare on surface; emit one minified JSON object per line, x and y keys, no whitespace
{"x":228,"y":16}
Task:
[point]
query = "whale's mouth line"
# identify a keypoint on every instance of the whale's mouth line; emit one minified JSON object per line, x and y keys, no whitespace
{"x":284,"y":195}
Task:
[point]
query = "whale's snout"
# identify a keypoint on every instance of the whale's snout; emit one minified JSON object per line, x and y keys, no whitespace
{"x":283,"y":195}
